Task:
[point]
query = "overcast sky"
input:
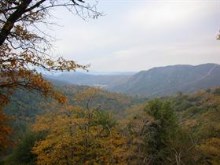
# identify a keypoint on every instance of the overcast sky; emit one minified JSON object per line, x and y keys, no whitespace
{"x":137,"y":35}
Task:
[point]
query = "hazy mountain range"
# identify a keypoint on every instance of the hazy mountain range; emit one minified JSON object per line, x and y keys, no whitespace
{"x":102,"y":80}
{"x":159,"y":81}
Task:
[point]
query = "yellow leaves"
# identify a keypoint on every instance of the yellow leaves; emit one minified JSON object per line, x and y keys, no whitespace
{"x":211,"y":149}
{"x":74,"y":138}
{"x":50,"y":62}
{"x":78,"y":136}
{"x":87,"y":94}
{"x":211,"y":146}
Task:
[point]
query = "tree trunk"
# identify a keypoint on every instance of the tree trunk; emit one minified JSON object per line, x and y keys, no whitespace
{"x":6,"y":29}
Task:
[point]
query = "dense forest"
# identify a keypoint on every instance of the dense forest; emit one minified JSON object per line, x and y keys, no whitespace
{"x":99,"y":127}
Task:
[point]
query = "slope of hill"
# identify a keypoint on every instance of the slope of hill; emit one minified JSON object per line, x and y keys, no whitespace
{"x":163,"y":81}
{"x":24,"y":105}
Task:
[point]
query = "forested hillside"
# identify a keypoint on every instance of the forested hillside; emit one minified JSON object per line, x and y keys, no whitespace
{"x":101,"y":127}
{"x":169,"y":80}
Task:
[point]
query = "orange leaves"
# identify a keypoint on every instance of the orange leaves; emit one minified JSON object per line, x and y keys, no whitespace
{"x":13,"y":62}
{"x":23,"y":34}
{"x":88,"y":96}
{"x":3,"y":99}
{"x":15,"y":70}
{"x":29,"y":80}
{"x":24,"y":48}
{"x":5,"y":132}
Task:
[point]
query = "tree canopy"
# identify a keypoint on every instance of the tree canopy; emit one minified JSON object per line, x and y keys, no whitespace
{"x":24,"y":47}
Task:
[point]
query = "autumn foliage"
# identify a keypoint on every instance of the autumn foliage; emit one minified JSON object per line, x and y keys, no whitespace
{"x":175,"y":130}
{"x":84,"y":130}
{"x":79,"y":136}
{"x":5,"y":132}
{"x":24,"y":48}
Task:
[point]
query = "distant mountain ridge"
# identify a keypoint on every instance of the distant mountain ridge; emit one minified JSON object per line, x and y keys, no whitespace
{"x":155,"y":82}
{"x":163,"y":81}
{"x":97,"y":80}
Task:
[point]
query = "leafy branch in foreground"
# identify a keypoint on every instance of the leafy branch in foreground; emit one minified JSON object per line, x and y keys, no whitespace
{"x":24,"y":47}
